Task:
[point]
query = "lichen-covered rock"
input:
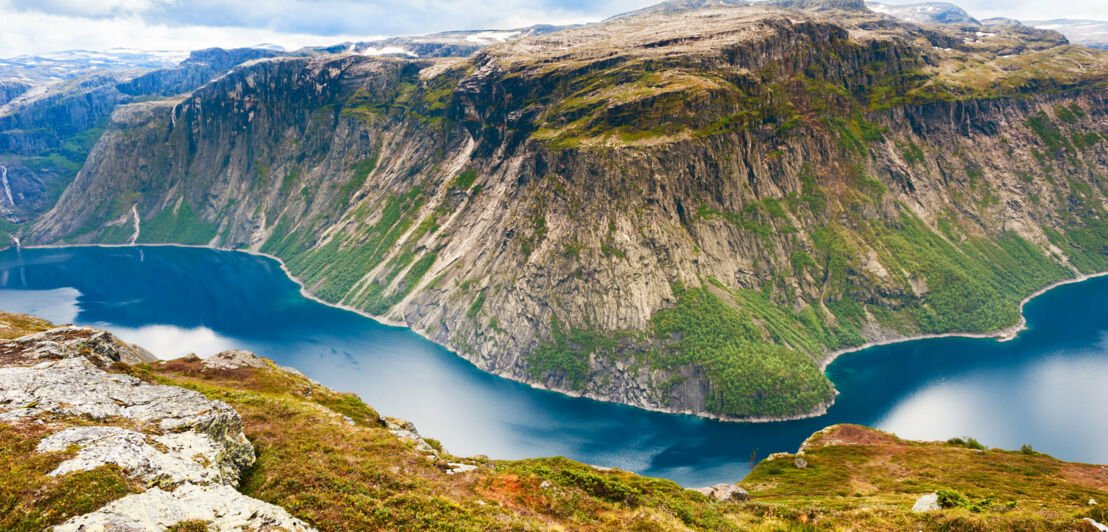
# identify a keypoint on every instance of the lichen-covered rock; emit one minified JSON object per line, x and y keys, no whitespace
{"x":166,"y":459}
{"x":100,"y":347}
{"x":180,"y":420}
{"x":927,"y":503}
{"x":234,"y":359}
{"x":189,"y":447}
{"x":219,"y":507}
{"x":725,"y":493}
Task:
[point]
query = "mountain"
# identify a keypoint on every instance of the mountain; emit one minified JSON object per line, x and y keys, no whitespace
{"x":53,"y":109}
{"x":445,"y":44}
{"x":97,"y":435}
{"x":1091,"y":33}
{"x":689,"y":210}
{"x":75,"y":63}
{"x":926,"y":13}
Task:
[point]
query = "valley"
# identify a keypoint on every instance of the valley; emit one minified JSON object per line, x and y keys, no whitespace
{"x":703,"y":265}
{"x":689,"y":225}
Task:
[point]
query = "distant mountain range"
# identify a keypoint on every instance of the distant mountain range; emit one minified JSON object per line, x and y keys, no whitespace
{"x":1091,"y":33}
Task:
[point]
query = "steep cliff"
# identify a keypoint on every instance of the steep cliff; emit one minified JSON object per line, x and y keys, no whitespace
{"x":54,"y":111}
{"x":685,"y":211}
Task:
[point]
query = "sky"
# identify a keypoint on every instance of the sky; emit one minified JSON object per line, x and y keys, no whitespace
{"x":39,"y":26}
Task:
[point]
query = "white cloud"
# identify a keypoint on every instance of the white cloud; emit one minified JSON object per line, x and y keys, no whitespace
{"x":37,"y":26}
{"x":31,"y":33}
{"x":170,"y":341}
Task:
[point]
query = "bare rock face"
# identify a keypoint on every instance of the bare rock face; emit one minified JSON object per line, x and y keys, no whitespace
{"x":163,"y":459}
{"x":76,"y":387}
{"x":218,"y":506}
{"x":99,"y":347}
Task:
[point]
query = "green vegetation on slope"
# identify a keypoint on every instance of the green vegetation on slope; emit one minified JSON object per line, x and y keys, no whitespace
{"x":179,"y":224}
{"x":31,"y":500}
{"x":862,"y":479}
{"x":333,"y":269}
{"x":747,"y":375}
{"x":338,"y":477}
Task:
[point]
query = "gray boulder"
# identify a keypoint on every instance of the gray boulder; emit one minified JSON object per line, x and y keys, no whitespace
{"x":927,"y":503}
{"x":725,"y":493}
{"x":234,"y":359}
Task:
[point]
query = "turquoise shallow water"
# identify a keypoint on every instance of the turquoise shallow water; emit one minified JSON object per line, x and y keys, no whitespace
{"x":1048,"y":388}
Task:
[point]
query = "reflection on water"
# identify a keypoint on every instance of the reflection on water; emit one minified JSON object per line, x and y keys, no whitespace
{"x":58,"y":305}
{"x":1007,"y":406}
{"x":170,"y":341}
{"x":1044,"y":388}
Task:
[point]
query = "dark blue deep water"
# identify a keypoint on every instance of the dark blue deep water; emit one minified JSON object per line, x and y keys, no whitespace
{"x":1048,"y":388}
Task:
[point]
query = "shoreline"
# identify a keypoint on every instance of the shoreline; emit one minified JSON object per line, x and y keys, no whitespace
{"x":1002,"y":335}
{"x":1006,"y":334}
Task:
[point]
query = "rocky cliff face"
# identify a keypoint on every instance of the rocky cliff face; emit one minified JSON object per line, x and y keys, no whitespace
{"x":55,"y":111}
{"x":684,"y":212}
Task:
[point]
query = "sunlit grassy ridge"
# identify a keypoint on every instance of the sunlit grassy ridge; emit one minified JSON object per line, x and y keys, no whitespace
{"x":329,"y":459}
{"x":342,"y":476}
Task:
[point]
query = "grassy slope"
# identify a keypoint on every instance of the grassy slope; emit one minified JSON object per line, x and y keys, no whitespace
{"x":860,"y":478}
{"x":339,"y":476}
{"x":351,"y":475}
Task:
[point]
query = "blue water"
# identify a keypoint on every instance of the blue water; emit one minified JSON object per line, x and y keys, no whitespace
{"x":1048,"y":388}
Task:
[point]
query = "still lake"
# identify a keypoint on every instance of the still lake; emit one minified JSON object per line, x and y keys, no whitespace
{"x":1047,"y":388}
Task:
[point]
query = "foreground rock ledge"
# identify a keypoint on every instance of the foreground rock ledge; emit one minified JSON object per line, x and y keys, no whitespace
{"x":188,"y":450}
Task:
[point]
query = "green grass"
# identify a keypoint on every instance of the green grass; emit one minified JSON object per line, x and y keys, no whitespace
{"x":464,"y":180}
{"x":182,"y":227}
{"x":746,"y":375}
{"x":30,"y":500}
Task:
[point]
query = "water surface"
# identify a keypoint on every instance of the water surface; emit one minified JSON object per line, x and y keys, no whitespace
{"x":1046,"y":388}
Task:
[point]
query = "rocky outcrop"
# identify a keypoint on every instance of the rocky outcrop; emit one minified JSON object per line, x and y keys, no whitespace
{"x":217,"y":507}
{"x":11,"y":89}
{"x":167,"y":437}
{"x":199,"y":439}
{"x":98,"y":346}
{"x":927,"y":503}
{"x":234,"y":359}
{"x":725,"y":493}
